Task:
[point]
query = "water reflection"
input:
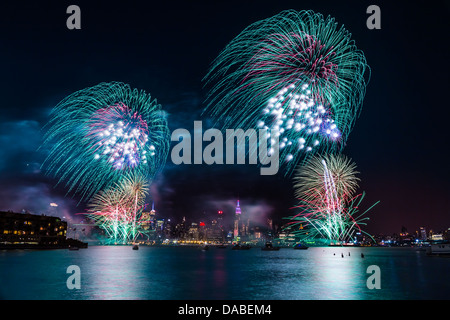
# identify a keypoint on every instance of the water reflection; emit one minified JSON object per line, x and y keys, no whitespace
{"x":340,"y":272}
{"x":115,"y":274}
{"x":190,"y":273}
{"x":220,"y":274}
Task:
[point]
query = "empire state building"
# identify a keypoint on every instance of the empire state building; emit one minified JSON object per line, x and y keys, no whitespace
{"x":237,"y":219}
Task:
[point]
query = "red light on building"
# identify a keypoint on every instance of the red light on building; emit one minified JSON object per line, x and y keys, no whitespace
{"x":202,"y":224}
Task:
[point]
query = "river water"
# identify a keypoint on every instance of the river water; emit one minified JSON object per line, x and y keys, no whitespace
{"x":189,"y":273}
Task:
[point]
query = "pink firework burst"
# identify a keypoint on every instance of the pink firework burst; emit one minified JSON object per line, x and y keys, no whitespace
{"x":296,"y":58}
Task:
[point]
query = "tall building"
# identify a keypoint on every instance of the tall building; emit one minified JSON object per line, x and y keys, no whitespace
{"x":220,"y":218}
{"x":237,"y":220}
{"x":193,"y":231}
{"x":245,"y":225}
{"x":159,"y":225}
{"x":180,"y":229}
{"x":148,"y":219}
{"x":270,"y":224}
{"x":215,"y":232}
{"x":241,"y":224}
{"x":152,"y":217}
{"x":238,"y":209}
{"x":423,"y":233}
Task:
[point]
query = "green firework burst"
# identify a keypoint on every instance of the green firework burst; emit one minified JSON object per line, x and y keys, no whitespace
{"x":99,"y":134}
{"x":328,"y":207}
{"x":296,"y":74}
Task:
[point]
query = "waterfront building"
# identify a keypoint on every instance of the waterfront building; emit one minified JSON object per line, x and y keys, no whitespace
{"x":437,"y":237}
{"x":27,"y":228}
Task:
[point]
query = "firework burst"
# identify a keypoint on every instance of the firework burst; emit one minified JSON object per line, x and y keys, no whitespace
{"x":99,"y":134}
{"x":322,"y":173}
{"x":328,"y":206}
{"x":296,"y":74}
{"x":118,"y":209}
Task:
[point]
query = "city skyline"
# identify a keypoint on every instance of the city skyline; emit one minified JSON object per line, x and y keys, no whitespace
{"x":261,"y":213}
{"x":395,"y":143}
{"x":263,"y":223}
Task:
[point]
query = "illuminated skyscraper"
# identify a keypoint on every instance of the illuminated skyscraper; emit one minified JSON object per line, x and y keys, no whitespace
{"x":238,"y":209}
{"x":237,"y":219}
{"x":220,"y":218}
{"x":148,"y":219}
{"x":423,"y":233}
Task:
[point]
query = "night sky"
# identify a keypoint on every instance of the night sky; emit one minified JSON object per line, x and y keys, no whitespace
{"x":399,"y":143}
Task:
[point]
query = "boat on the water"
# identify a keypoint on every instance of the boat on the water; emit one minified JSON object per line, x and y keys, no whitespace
{"x":439,"y":249}
{"x":270,"y":247}
{"x":135,"y":247}
{"x":299,"y":246}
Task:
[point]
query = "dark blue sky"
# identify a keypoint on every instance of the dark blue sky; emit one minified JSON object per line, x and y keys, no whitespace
{"x":399,"y":142}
